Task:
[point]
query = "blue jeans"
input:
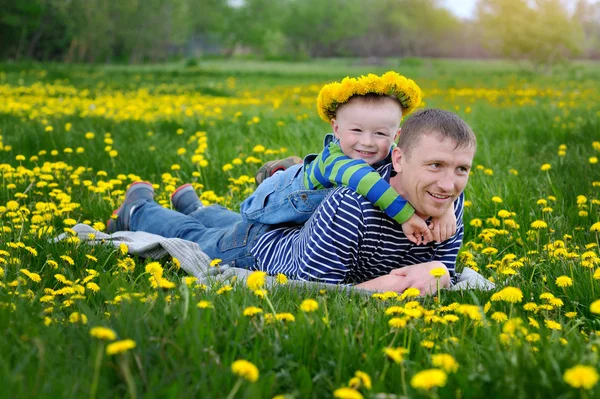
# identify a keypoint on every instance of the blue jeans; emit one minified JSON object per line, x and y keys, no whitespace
{"x":283,"y":198}
{"x":219,"y":232}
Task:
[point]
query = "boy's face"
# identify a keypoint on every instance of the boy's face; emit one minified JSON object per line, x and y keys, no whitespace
{"x":433,"y":175}
{"x":367,"y":130}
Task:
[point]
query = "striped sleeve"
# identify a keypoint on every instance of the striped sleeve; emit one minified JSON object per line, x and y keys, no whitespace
{"x":333,"y":168}
{"x":332,"y":248}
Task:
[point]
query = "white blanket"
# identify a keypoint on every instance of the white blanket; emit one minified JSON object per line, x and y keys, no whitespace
{"x":196,"y":263}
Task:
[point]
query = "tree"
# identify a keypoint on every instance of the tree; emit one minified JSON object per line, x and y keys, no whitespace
{"x":542,"y":32}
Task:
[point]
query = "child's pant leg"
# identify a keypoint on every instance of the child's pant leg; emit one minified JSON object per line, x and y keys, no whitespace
{"x":282,"y":198}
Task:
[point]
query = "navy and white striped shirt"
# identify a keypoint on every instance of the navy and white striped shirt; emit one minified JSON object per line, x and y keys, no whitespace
{"x":348,"y":240}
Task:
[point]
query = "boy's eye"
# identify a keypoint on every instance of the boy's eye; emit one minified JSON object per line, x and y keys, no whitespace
{"x":356,"y":130}
{"x":381,"y":134}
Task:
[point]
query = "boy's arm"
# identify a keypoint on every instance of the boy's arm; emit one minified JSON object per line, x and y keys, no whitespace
{"x":333,"y":168}
{"x":444,"y":227}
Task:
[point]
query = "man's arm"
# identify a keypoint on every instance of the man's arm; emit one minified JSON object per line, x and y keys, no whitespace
{"x":333,"y":168}
{"x":415,"y":276}
{"x":332,"y":240}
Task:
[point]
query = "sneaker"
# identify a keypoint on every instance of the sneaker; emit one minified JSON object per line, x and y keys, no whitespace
{"x":137,"y":191}
{"x":185,"y":199}
{"x":269,"y":168}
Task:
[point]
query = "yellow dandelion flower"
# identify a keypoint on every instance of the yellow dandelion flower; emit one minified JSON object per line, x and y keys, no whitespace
{"x":438,"y":272}
{"x":595,"y":227}
{"x":428,"y":379}
{"x":595,"y":307}
{"x":120,"y":347}
{"x":224,"y":289}
{"x":581,"y":376}
{"x":32,"y":276}
{"x":281,"y":278}
{"x":252,"y":311}
{"x":395,"y":354}
{"x":347,"y":393}
{"x":539,"y":224}
{"x":552,"y":325}
{"x":545,"y":167}
{"x":245,"y":369}
{"x":204,"y":305}
{"x":309,"y":305}
{"x":397,"y":322}
{"x":499,"y":317}
{"x":564,"y":281}
{"x":103,"y":333}
{"x":508,"y":294}
{"x":410,"y":292}
{"x":256,"y":280}
{"x":445,"y":362}
{"x":215,"y":262}
{"x":285,"y":317}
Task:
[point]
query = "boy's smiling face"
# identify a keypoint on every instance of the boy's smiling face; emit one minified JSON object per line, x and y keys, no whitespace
{"x":367,"y":129}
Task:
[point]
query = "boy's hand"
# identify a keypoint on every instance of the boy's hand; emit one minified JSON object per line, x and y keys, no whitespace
{"x":444,"y":227}
{"x":416,"y":230}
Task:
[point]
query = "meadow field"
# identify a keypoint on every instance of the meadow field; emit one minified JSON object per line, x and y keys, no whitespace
{"x":82,"y":321}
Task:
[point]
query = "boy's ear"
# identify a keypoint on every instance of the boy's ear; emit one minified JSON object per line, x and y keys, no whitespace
{"x":334,"y":127}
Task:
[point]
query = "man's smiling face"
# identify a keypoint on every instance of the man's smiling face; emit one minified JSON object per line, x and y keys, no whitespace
{"x":433,"y":174}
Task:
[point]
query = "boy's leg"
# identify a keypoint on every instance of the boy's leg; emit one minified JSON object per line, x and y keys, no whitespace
{"x":185,"y":199}
{"x":282,"y":198}
{"x":230,"y":242}
{"x":269,"y":168}
{"x":137,"y":191}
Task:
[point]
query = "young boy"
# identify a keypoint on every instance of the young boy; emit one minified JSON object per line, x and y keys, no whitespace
{"x":365,"y":115}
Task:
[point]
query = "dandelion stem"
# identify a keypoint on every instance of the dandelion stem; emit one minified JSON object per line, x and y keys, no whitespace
{"x":128,"y":377}
{"x":386,"y":366}
{"x":235,"y":388}
{"x":403,"y":379}
{"x":97,"y":364}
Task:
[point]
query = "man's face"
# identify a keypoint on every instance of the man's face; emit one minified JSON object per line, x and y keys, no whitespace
{"x":433,"y":175}
{"x":367,"y":130}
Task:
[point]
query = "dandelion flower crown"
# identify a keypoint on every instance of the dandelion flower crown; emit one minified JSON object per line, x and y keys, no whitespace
{"x":388,"y":84}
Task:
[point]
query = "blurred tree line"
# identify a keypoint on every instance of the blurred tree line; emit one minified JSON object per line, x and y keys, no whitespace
{"x":543,"y":32}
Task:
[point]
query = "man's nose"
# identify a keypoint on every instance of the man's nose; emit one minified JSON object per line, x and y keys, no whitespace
{"x":446,"y":181}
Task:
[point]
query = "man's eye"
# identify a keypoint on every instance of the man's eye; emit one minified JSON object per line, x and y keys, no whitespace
{"x":434,"y":165}
{"x":462,"y":169}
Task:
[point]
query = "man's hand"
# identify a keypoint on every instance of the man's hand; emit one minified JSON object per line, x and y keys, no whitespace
{"x":418,"y":276}
{"x":388,"y":282}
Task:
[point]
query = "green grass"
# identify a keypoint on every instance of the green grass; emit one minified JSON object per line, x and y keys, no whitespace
{"x":520,"y":120}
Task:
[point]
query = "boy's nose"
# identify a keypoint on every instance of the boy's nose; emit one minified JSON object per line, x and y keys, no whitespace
{"x":366,"y":139}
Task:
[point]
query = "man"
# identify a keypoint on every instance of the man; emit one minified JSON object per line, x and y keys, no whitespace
{"x":347,"y":240}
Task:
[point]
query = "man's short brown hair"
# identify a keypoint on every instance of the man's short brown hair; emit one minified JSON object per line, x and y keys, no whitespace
{"x":444,"y":124}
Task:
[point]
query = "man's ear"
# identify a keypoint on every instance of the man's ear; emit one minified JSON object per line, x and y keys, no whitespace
{"x":397,"y":159}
